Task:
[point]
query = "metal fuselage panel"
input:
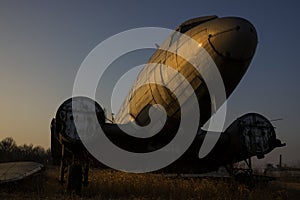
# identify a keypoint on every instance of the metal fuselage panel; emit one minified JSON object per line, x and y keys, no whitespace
{"x":230,"y":43}
{"x":232,"y":69}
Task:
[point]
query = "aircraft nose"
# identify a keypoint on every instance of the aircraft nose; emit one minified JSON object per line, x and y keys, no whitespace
{"x":233,"y":37}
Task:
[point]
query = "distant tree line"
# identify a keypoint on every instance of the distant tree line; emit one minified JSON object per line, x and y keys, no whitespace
{"x":10,"y":152}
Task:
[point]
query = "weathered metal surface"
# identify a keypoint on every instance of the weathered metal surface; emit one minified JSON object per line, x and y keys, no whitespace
{"x":231,"y":43}
{"x":13,"y":171}
{"x":86,"y":109}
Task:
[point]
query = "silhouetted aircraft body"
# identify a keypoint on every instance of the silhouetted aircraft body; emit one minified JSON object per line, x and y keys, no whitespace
{"x":231,"y":43}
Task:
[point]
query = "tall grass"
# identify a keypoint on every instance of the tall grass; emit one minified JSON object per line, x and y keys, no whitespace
{"x":109,"y":184}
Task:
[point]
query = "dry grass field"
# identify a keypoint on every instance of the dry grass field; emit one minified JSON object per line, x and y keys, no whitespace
{"x":109,"y":184}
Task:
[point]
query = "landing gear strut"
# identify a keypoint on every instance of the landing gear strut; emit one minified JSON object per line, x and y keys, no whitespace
{"x":77,"y":173}
{"x":242,"y":175}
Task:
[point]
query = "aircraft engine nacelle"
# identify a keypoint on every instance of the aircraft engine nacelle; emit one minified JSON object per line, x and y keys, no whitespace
{"x":253,"y":134}
{"x":65,"y":128}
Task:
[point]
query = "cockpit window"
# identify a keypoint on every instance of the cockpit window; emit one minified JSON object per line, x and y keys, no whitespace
{"x":184,"y":27}
{"x":189,"y":24}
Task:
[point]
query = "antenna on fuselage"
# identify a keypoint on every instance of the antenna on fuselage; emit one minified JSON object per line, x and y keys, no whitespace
{"x":274,"y":120}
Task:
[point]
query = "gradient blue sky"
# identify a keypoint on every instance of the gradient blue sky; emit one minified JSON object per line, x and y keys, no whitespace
{"x":42,"y":44}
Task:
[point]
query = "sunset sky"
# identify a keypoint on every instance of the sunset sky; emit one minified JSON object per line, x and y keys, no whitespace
{"x":43,"y":43}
